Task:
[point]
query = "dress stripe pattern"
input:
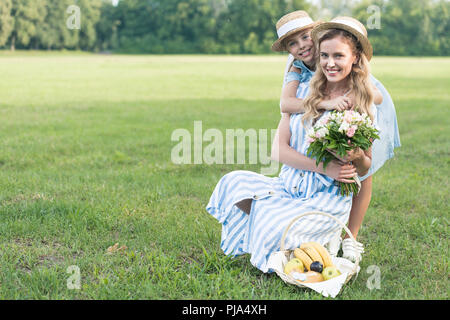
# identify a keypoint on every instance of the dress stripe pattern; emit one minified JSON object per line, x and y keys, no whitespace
{"x":276,"y":201}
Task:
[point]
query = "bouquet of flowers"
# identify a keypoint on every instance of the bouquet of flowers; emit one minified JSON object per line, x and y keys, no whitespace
{"x":340,"y":132}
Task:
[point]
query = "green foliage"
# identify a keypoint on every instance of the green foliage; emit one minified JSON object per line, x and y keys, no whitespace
{"x":6,"y":21}
{"x":417,"y":27}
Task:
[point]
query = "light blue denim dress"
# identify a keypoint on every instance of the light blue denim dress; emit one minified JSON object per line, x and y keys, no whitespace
{"x":383,"y":148}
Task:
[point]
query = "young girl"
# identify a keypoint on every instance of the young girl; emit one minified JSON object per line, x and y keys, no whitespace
{"x":255,"y":210}
{"x":297,"y":76}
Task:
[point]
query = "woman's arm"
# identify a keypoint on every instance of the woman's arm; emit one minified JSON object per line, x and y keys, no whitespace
{"x":284,"y":153}
{"x":377,"y":96}
{"x":362,"y":160}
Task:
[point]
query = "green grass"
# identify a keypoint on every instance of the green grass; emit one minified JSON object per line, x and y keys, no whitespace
{"x":85,"y":163}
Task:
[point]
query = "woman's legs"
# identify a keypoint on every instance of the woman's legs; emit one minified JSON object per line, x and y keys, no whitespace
{"x":360,"y":205}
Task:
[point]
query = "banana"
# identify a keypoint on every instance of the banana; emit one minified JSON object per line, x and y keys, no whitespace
{"x":300,"y":254}
{"x":327,"y":262}
{"x":311,"y":251}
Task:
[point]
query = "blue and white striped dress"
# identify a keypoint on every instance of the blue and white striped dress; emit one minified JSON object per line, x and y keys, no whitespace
{"x":276,"y":201}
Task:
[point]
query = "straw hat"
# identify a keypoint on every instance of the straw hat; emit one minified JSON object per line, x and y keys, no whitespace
{"x":348,"y":24}
{"x":291,"y":23}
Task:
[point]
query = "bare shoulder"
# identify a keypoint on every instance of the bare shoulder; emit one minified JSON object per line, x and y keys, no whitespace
{"x":294,"y":69}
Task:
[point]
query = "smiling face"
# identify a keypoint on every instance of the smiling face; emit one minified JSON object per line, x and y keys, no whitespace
{"x":301,"y":46}
{"x":336,"y":58}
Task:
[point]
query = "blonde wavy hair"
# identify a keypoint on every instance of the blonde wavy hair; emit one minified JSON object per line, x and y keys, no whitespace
{"x":359,"y":79}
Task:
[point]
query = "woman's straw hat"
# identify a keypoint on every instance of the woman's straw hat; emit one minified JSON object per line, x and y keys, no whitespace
{"x":348,"y":24}
{"x":289,"y":24}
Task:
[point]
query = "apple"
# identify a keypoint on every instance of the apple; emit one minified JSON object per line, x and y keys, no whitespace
{"x":294,"y":264}
{"x":330,"y":272}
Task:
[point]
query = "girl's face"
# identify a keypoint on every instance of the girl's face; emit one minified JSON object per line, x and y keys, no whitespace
{"x":336,"y":58}
{"x":301,"y":46}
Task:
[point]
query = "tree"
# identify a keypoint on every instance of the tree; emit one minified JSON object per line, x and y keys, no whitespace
{"x":329,"y":9}
{"x":416,"y":27}
{"x":249,"y":26}
{"x":53,"y":33}
{"x":90,"y":15}
{"x":28,"y":16}
{"x":6,"y":21}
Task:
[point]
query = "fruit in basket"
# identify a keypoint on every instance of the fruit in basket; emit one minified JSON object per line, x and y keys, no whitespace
{"x":316,"y":266}
{"x":309,"y":277}
{"x":311,"y":252}
{"x":327,"y":262}
{"x":294,"y":264}
{"x":330,"y":272}
{"x":300,"y":254}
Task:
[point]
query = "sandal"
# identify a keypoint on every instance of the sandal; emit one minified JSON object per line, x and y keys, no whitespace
{"x":335,"y":244}
{"x":350,"y":251}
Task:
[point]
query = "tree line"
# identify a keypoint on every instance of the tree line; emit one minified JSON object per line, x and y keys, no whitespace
{"x":395,"y":27}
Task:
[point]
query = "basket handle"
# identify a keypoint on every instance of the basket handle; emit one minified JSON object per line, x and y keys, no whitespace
{"x":282,"y":244}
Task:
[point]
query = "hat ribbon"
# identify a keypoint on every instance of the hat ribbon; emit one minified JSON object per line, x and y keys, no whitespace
{"x":293,"y":24}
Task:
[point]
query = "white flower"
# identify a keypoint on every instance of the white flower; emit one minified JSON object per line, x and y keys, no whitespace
{"x":344,"y":126}
{"x":322,"y":132}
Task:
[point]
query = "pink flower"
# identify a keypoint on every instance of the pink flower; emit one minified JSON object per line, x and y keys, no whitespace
{"x":351,"y":131}
{"x":348,"y":116}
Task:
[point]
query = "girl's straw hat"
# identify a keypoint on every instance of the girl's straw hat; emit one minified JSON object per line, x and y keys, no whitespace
{"x":289,"y":24}
{"x":348,"y":24}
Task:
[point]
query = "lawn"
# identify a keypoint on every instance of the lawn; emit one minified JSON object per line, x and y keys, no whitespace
{"x":85,"y":163}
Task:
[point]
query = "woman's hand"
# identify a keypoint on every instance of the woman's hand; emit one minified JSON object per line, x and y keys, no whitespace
{"x":340,"y":104}
{"x":352,"y":155}
{"x":342,"y":172}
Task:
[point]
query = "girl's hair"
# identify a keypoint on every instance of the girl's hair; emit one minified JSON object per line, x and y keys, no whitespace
{"x":358,"y":78}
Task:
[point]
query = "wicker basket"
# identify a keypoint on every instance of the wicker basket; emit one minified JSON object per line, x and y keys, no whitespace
{"x":330,"y":287}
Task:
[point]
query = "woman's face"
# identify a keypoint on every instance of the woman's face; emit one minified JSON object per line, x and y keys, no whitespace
{"x":301,"y":46}
{"x":336,"y":58}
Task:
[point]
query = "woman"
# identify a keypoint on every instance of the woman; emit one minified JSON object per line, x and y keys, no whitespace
{"x":297,"y":77}
{"x":255,"y":210}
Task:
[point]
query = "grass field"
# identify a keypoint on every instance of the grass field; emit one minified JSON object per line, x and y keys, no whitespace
{"x":85,"y":163}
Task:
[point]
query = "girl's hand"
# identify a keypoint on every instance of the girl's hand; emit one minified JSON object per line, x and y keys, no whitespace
{"x":342,"y":172}
{"x":340,"y":104}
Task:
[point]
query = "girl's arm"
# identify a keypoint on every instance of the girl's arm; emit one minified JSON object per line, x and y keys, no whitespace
{"x":284,"y":153}
{"x":291,"y":104}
